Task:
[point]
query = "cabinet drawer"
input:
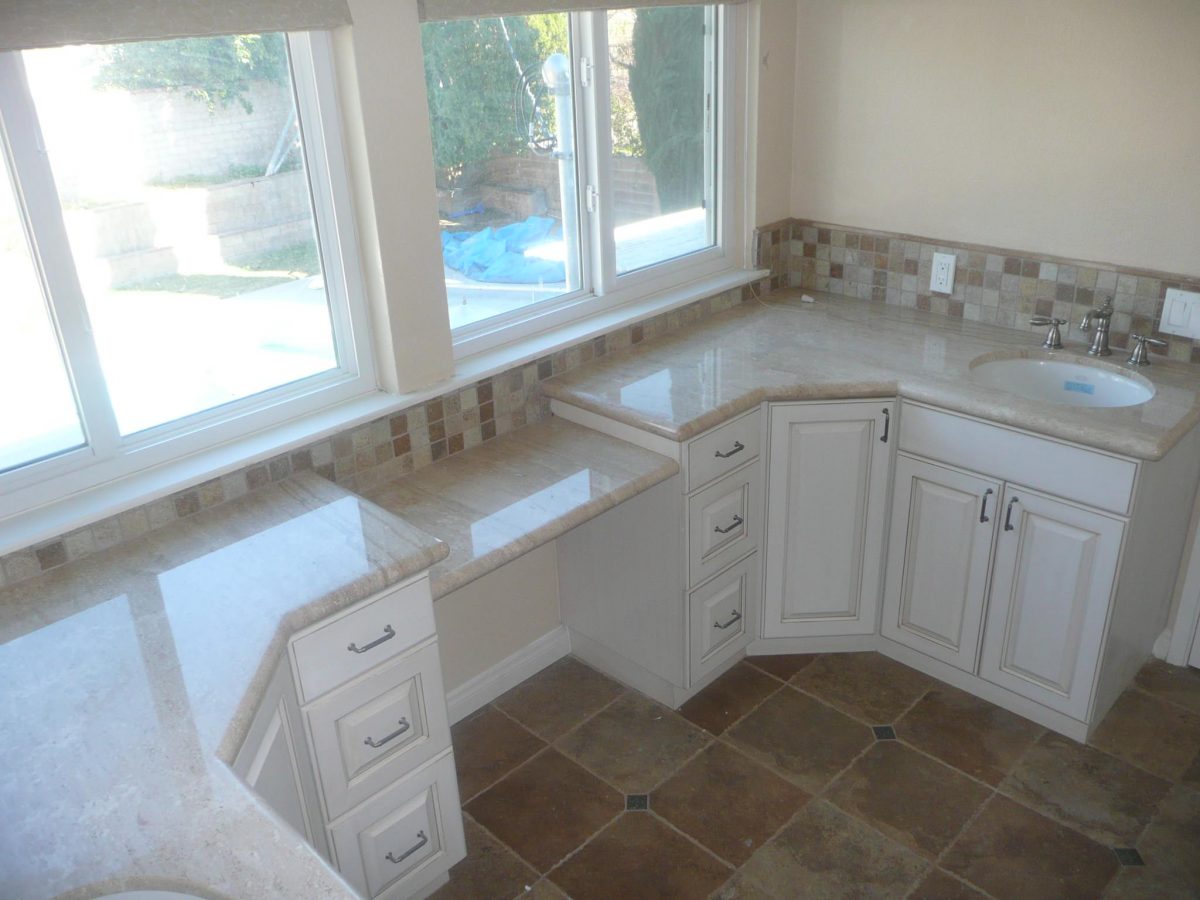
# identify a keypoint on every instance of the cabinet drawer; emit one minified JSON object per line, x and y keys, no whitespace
{"x":1085,"y":476}
{"x":405,"y":836}
{"x":376,"y":729}
{"x":723,"y":616}
{"x":362,"y":637}
{"x":722,"y":450}
{"x":724,"y":522}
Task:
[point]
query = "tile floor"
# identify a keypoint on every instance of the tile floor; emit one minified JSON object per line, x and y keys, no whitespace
{"x":844,"y":775}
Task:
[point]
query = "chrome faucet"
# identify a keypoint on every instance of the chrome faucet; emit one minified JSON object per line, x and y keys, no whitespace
{"x":1099,"y":320}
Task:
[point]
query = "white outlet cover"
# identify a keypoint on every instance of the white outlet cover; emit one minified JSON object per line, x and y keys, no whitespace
{"x":1181,"y":313}
{"x":941,"y":275}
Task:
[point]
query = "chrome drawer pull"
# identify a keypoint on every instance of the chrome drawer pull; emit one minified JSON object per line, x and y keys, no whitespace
{"x":887,"y":424}
{"x":983,"y":516}
{"x":1008,"y":525}
{"x":404,"y":726}
{"x":388,"y":633}
{"x":422,"y":840}
{"x":738,"y":447}
{"x":734,"y":617}
{"x":737,"y":520}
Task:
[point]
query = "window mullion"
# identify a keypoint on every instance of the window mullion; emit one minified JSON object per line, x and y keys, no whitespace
{"x":52,"y":253}
{"x":598,"y":115}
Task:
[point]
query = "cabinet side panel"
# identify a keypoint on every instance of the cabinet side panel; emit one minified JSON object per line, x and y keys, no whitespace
{"x":620,"y":579}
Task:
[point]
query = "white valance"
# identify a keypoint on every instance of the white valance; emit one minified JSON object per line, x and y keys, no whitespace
{"x":443,"y":10}
{"x":25,"y":24}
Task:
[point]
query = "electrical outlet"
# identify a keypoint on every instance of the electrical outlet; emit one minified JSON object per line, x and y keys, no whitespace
{"x":1181,"y":313}
{"x":941,"y":278}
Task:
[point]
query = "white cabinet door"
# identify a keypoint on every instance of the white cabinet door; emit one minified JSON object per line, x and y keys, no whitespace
{"x":827,"y":496}
{"x":938,"y":550}
{"x":1051,"y":584}
{"x":274,"y":760}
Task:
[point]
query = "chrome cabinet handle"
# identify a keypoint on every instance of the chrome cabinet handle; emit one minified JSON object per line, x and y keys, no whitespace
{"x":422,"y":840}
{"x":738,"y":447}
{"x":1008,"y":525}
{"x":388,"y":633}
{"x":983,"y":516}
{"x":404,"y":726}
{"x":735,"y":616}
{"x":737,"y":520}
{"x":887,"y":424}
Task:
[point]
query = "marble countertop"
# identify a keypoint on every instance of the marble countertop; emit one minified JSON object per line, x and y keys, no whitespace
{"x":511,"y":494}
{"x":679,"y":385}
{"x":130,"y":678}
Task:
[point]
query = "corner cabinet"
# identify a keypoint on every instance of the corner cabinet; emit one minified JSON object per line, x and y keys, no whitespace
{"x":351,"y":745}
{"x":827,"y":497}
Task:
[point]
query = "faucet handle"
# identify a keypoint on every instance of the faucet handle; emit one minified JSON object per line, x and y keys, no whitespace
{"x":1053,"y":336}
{"x":1139,"y":356}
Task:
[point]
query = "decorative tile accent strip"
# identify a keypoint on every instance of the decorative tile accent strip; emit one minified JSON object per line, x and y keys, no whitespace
{"x":1001,"y":287}
{"x":379,"y":450}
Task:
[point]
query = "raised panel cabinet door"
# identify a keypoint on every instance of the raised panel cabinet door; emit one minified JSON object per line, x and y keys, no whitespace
{"x":1051,"y":584}
{"x":826,"y":507}
{"x":938,"y":550}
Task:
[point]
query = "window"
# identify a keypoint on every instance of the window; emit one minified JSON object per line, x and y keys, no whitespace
{"x":173,"y":266}
{"x":578,"y":157}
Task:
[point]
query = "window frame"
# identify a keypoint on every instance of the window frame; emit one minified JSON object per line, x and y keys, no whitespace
{"x":602,"y":288}
{"x":107,"y":456}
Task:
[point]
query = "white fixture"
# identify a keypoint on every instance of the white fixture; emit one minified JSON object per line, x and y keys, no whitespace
{"x":1066,"y":383}
{"x":941,"y":279}
{"x":1181,"y":313}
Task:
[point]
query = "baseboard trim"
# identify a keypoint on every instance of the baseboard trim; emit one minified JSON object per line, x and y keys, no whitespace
{"x":508,"y":673}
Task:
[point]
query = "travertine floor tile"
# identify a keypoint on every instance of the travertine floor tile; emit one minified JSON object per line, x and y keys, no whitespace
{"x":1178,"y":684}
{"x":727,"y":802}
{"x":559,"y":697}
{"x":806,"y":741}
{"x":911,"y":798}
{"x":868,"y":686}
{"x":487,"y":746}
{"x":1154,"y":734}
{"x":1010,"y":851}
{"x":639,"y":857}
{"x":940,"y":886}
{"x":1171,"y":843}
{"x":546,"y":808}
{"x":489,"y":870}
{"x":783,"y":666}
{"x":972,"y":735}
{"x":729,"y":698}
{"x":634,"y":743}
{"x":1105,"y":798}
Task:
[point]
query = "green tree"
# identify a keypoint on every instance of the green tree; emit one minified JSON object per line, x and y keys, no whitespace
{"x":666,"y":79}
{"x":217,"y":71}
{"x":471,"y":79}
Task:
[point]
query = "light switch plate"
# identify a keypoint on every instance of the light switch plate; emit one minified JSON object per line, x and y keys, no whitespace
{"x":1181,"y":313}
{"x":941,"y":276}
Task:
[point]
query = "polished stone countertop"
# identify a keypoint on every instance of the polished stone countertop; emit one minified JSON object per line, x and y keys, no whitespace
{"x":130,"y":678}
{"x":515,"y":492}
{"x":838,"y":348}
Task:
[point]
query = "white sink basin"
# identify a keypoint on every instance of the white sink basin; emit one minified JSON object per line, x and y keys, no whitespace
{"x":1058,"y":380}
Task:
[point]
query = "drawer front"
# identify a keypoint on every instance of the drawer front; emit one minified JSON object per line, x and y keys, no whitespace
{"x":724,"y":522}
{"x":1075,"y":473}
{"x":405,"y":837}
{"x":361,"y":638}
{"x":723,"y":616}
{"x":722,"y":450}
{"x":378,"y":728}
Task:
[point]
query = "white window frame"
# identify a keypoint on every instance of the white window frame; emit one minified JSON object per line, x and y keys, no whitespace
{"x":607,"y":290}
{"x":107,"y":456}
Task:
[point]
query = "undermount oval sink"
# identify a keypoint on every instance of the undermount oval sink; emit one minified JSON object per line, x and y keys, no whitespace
{"x":1064,"y":381}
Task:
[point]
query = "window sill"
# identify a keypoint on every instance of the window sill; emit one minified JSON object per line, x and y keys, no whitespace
{"x":87,"y":507}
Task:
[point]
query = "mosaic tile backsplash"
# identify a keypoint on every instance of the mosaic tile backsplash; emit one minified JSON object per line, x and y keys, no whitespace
{"x":992,"y":285}
{"x":383,"y":449}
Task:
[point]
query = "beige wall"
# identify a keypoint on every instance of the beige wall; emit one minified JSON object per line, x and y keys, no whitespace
{"x":1069,"y":127}
{"x":490,"y":619}
{"x":773,"y":59}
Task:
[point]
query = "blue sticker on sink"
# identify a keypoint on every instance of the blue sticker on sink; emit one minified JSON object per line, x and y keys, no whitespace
{"x":1079,"y":387}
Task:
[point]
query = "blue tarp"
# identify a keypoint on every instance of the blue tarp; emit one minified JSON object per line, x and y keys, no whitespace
{"x":497,"y":255}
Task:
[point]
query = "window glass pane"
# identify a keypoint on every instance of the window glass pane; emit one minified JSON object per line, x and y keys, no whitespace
{"x":182,"y":179}
{"x":38,"y":417}
{"x":662,"y":162}
{"x":503,"y":145}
